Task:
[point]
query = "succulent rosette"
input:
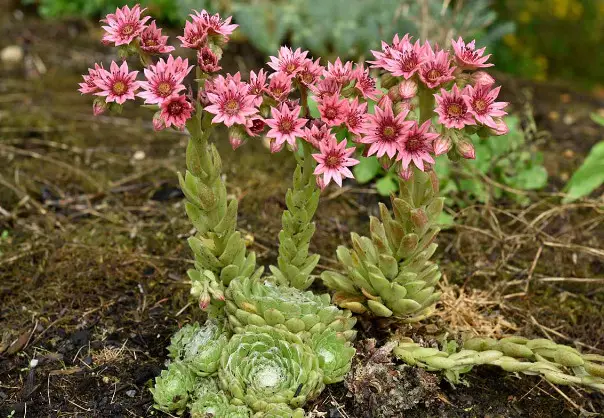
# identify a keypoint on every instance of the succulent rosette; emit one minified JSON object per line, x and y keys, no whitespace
{"x":262,"y":367}
{"x":199,"y":346}
{"x":216,"y":404}
{"x":335,"y":355}
{"x":258,"y":302}
{"x":281,"y":411}
{"x":173,"y":388}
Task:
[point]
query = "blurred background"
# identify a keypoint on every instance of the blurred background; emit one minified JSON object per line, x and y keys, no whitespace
{"x":93,"y":252}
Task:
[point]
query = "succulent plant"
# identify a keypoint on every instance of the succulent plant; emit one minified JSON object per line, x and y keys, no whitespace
{"x":390,"y":274}
{"x":199,"y":346}
{"x":335,"y":355}
{"x":295,"y":264}
{"x":264,"y":366}
{"x":281,"y":411}
{"x":258,"y":302}
{"x":216,"y":404}
{"x":173,"y":388}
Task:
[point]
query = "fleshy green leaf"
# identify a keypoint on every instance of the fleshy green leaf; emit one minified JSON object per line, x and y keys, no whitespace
{"x":366,"y":169}
{"x":589,"y":176}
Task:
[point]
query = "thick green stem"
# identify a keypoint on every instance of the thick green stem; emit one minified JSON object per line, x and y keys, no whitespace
{"x":426,"y":104}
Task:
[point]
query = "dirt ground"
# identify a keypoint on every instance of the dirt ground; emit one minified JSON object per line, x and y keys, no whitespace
{"x":93,"y":260}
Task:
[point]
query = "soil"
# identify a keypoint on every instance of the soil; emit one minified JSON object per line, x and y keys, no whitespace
{"x":93,"y":260}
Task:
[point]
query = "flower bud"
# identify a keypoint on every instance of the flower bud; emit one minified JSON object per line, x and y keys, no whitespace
{"x":207,"y":60}
{"x":99,"y":106}
{"x":407,"y":89}
{"x":501,"y":128}
{"x":385,"y":162}
{"x":383,"y":101}
{"x":320,"y":182}
{"x":274,"y":147}
{"x":158,"y":123}
{"x":406,"y":173}
{"x":466,"y":149}
{"x":388,"y":80}
{"x":481,"y":77}
{"x":237,"y":136}
{"x":204,"y":300}
{"x":394,"y":94}
{"x":442,"y":145}
{"x":400,"y":107}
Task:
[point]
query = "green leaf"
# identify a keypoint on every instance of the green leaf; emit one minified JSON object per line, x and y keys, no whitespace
{"x":313,"y":107}
{"x":599,"y":119}
{"x":366,"y":169}
{"x":589,"y":176}
{"x":533,"y":178}
{"x":445,"y":221}
{"x":386,"y":185}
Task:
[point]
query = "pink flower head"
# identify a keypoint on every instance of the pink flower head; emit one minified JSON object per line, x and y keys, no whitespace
{"x":230,"y":101}
{"x":195,"y":35}
{"x":417,"y":146}
{"x":175,"y":111}
{"x":89,"y":85}
{"x":364,"y":83}
{"x":436,"y":68}
{"x":164,"y":79}
{"x":125,"y":25}
{"x":117,"y":85}
{"x":387,"y":51}
{"x":325,"y":87}
{"x":481,"y":103}
{"x":480,"y":77}
{"x":214,"y":25}
{"x":288,"y":62}
{"x":341,"y":73}
{"x":334,"y":160}
{"x":257,"y":85}
{"x":254,"y":125}
{"x":333,"y":109}
{"x":310,"y":72}
{"x":452,"y":109}
{"x":286,"y":125}
{"x":280,"y":86}
{"x":468,"y":57}
{"x":355,"y":116}
{"x":316,"y":134}
{"x":152,"y":41}
{"x":207,"y":60}
{"x":384,"y":131}
{"x":405,"y":60}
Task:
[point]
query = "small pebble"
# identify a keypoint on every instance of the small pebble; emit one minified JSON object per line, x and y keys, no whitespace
{"x":131,"y":393}
{"x":11,"y":55}
{"x":33,"y":363}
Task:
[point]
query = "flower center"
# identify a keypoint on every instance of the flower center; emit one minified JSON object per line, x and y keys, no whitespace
{"x":480,"y":105}
{"x":433,"y":74}
{"x":128,"y":29}
{"x":388,"y":132}
{"x":277,"y":91}
{"x":150,"y":42}
{"x":164,"y":89}
{"x":332,"y":161}
{"x":286,"y":126}
{"x":231,"y":107}
{"x":119,"y":88}
{"x":413,"y":143}
{"x":290,"y":67}
{"x":455,"y":110}
{"x":307,"y":78}
{"x":331,"y":113}
{"x":175,"y":108}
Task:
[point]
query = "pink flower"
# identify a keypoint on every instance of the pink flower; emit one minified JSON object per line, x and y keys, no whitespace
{"x":286,"y":125}
{"x":355,"y":116}
{"x":334,"y":161}
{"x":384,"y":131}
{"x":341,"y":73}
{"x":125,"y":25}
{"x":257,"y":86}
{"x":164,"y":79}
{"x":406,"y":60}
{"x":468,"y":57}
{"x":333,"y":110}
{"x":325,"y":87}
{"x":364,"y":83}
{"x":280,"y":86}
{"x":452,"y":109}
{"x":89,"y":85}
{"x":213,"y":24}
{"x":407,"y":89}
{"x":175,"y":110}
{"x":387,"y":51}
{"x":417,"y":146}
{"x":316,"y":134}
{"x":436,"y":68}
{"x":288,"y":62}
{"x":152,"y":41}
{"x":310,"y":72}
{"x":117,"y":85}
{"x":195,"y":35}
{"x":254,"y":125}
{"x":481,"y":103}
{"x":480,"y":77}
{"x":231,"y":102}
{"x":207,"y":60}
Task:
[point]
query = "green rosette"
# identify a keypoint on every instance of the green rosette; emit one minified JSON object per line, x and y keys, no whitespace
{"x":281,"y":411}
{"x":199,"y":346}
{"x":259,"y":302}
{"x":262,"y":367}
{"x":335,"y":355}
{"x":173,"y":388}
